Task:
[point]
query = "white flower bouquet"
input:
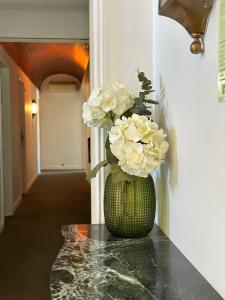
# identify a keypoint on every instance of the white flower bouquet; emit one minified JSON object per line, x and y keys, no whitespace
{"x":135,"y":146}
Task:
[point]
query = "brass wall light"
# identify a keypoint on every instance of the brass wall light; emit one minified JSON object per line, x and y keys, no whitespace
{"x":34,"y":108}
{"x":192,"y":15}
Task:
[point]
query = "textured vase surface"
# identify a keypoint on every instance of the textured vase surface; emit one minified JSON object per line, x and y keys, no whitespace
{"x":129,"y":208}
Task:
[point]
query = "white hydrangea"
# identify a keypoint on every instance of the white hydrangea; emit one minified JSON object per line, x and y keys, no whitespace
{"x":138,"y":144}
{"x":113,"y":97}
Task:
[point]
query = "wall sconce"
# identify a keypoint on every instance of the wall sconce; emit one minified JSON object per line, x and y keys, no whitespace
{"x":192,"y":15}
{"x":34,"y":108}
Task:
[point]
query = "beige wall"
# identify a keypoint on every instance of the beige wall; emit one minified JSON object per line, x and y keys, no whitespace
{"x":15,"y":74}
{"x":61,"y":129}
{"x":191,"y":190}
{"x":44,"y":19}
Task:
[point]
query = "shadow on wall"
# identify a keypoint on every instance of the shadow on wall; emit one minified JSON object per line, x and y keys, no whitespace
{"x":167,"y":176}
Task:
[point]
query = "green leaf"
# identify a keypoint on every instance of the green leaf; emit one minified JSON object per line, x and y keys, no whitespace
{"x":143,"y":94}
{"x":141,"y":76}
{"x":140,"y":111}
{"x":94,"y":171}
{"x":138,"y":100}
{"x":111,"y":158}
{"x":107,"y":142}
{"x":147,"y":87}
{"x":119,"y":175}
{"x":127,"y":113}
{"x":151,"y":101}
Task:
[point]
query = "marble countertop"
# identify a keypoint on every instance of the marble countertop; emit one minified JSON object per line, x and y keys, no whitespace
{"x":93,"y":264}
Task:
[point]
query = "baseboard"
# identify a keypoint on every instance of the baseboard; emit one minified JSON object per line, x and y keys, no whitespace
{"x":1,"y":227}
{"x":17,"y":203}
{"x":30,"y":183}
{"x":49,"y":172}
{"x":54,"y":168}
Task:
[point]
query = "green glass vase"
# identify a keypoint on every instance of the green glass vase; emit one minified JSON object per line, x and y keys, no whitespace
{"x":129,"y":208}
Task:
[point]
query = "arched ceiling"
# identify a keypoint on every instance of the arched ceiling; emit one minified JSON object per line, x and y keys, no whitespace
{"x":40,"y":60}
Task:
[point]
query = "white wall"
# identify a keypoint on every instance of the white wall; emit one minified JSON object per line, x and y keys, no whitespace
{"x":191,"y":190}
{"x":44,"y":19}
{"x":15,"y":74}
{"x":61,"y":127}
{"x":130,"y":41}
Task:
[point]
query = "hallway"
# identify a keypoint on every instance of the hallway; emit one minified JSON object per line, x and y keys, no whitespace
{"x":32,"y":239}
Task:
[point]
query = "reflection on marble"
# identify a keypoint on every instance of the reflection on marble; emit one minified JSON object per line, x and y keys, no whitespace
{"x":95,"y":265}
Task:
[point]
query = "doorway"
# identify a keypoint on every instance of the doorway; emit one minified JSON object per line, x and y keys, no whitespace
{"x":61,"y":125}
{"x":64,"y":66}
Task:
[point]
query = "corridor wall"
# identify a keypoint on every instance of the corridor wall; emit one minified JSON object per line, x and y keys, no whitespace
{"x":14,"y":181}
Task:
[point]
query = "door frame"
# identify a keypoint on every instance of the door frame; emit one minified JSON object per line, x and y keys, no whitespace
{"x":1,"y":165}
{"x":99,"y":74}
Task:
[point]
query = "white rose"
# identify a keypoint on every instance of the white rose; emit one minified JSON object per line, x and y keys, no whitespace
{"x":95,"y":101}
{"x":152,"y":157}
{"x":92,"y":116}
{"x":110,"y":87}
{"x":125,"y":100}
{"x":144,"y":125}
{"x":132,"y":133}
{"x":109,"y":102}
{"x":138,"y":144}
{"x":87,"y":116}
{"x":115,"y":134}
{"x":134,"y":161}
{"x":112,"y":97}
{"x":163,"y":149}
{"x":118,"y":148}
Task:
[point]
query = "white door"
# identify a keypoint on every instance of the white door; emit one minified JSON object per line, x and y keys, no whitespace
{"x":61,"y":126}
{"x":22,"y":139}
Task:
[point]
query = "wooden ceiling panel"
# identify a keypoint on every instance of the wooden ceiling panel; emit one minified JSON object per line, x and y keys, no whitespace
{"x":40,"y":60}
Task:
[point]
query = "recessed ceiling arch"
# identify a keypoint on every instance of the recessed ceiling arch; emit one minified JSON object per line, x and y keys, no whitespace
{"x":59,"y":79}
{"x":41,"y":60}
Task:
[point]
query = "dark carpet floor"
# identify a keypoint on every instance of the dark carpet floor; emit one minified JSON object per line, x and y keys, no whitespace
{"x":31,"y":239}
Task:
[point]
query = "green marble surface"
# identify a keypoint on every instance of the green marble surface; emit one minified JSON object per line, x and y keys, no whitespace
{"x":93,"y":264}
